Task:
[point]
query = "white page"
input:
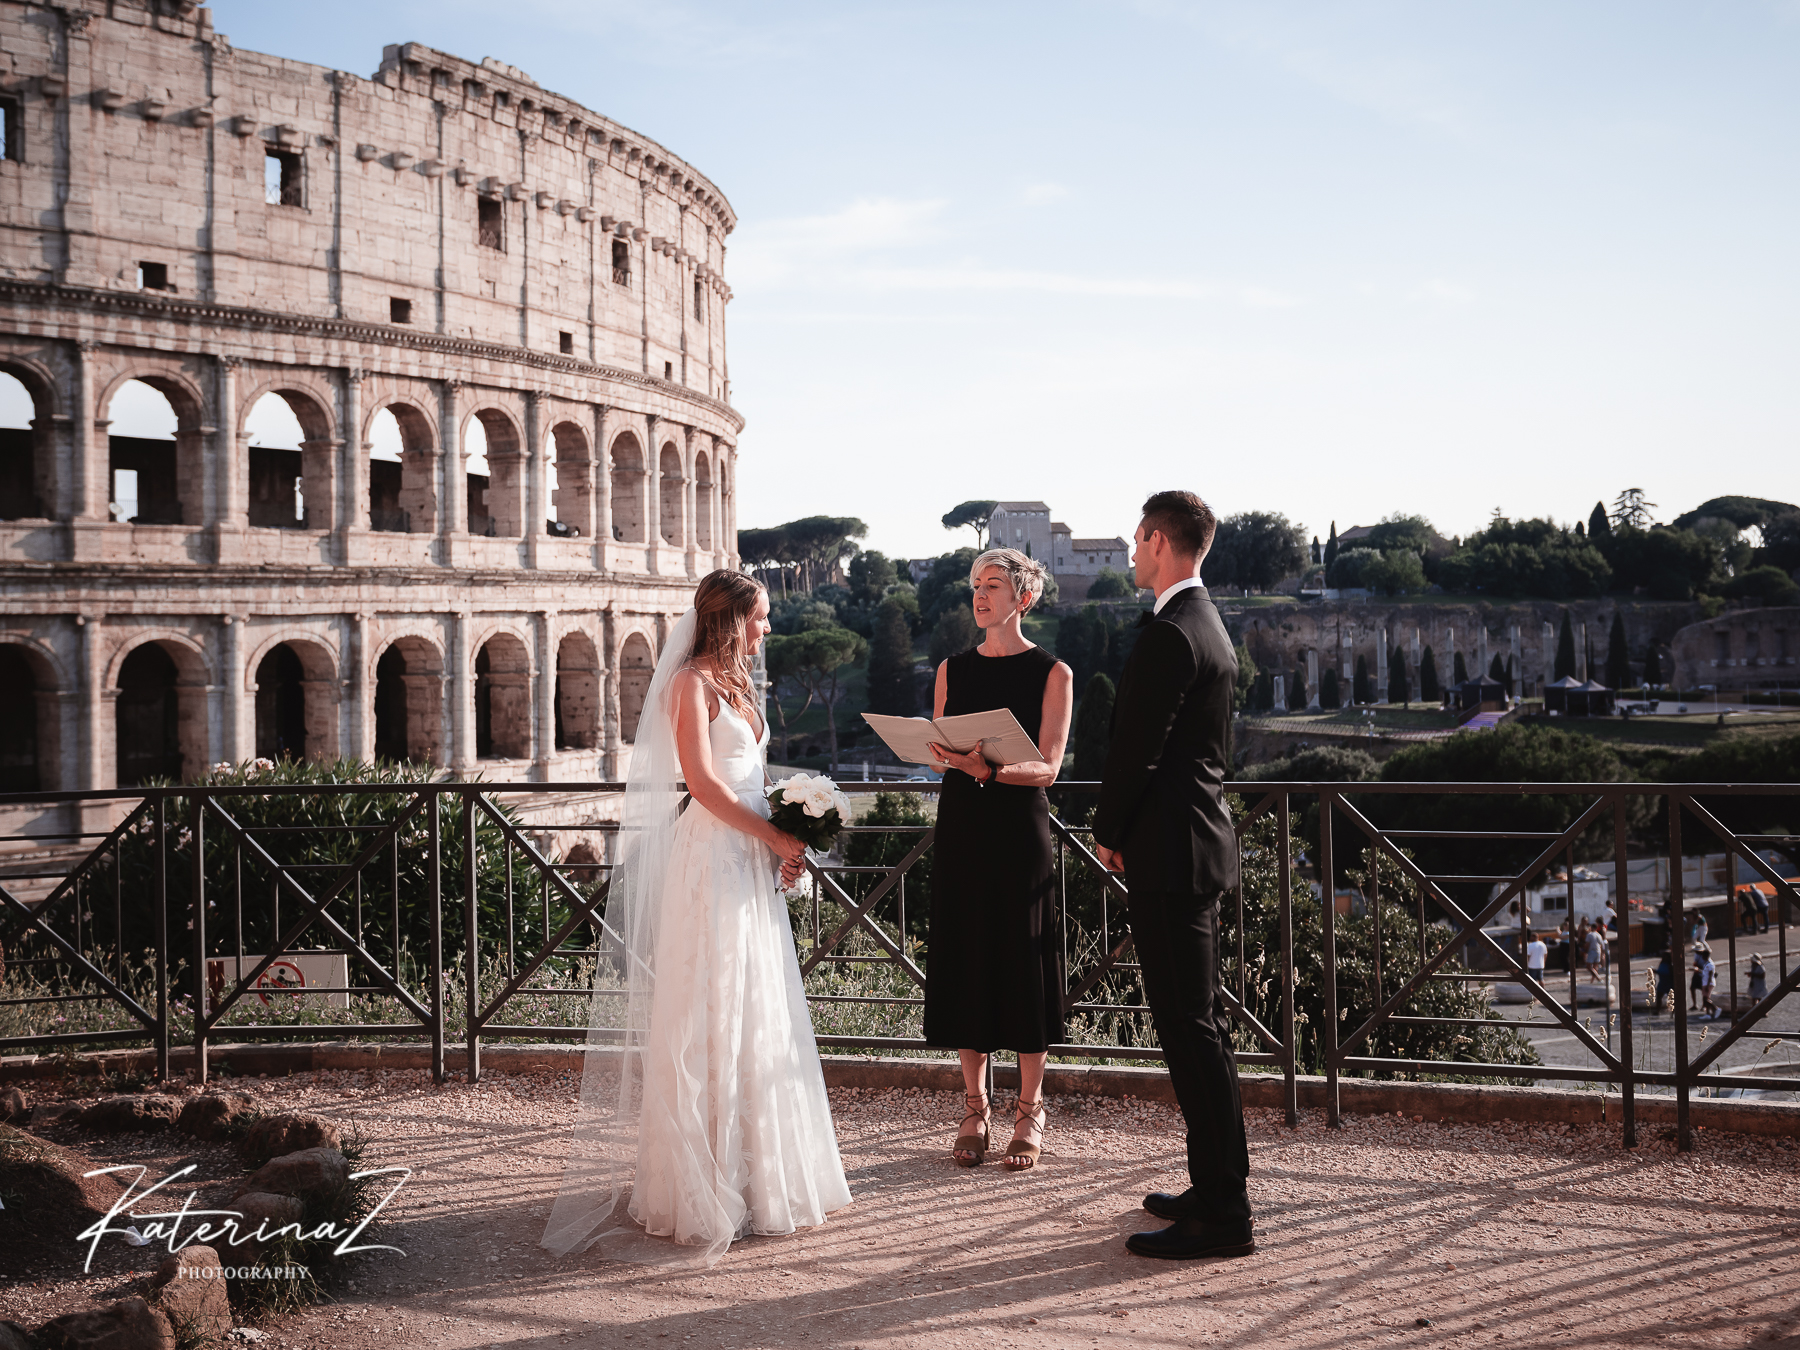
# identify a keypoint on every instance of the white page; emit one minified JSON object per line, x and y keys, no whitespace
{"x":1002,"y":739}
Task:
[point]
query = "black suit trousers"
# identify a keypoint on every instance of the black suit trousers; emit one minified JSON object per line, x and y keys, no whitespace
{"x":1176,"y":938}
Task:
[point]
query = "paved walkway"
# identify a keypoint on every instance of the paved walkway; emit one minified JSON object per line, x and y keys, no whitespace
{"x":1387,"y":1232}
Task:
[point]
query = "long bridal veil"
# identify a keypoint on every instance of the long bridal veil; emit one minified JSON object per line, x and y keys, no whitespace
{"x":603,"y":1147}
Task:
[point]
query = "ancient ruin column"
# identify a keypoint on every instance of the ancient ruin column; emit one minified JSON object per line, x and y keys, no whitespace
{"x":232,"y":746}
{"x":1413,"y":676}
{"x":603,"y":540}
{"x":611,"y":742}
{"x":1549,"y":653}
{"x":1447,"y":676}
{"x":544,"y":743}
{"x":1482,"y":653}
{"x":728,"y":499}
{"x":1312,"y":680}
{"x":353,"y":473}
{"x":690,"y":504}
{"x":84,"y":145}
{"x":1515,"y":661}
{"x":459,"y":663}
{"x":1381,"y":668}
{"x":89,"y":485}
{"x":357,"y":706}
{"x":226,"y":496}
{"x":1280,"y":700}
{"x":453,"y":491}
{"x":1581,"y":654}
{"x":653,"y":538}
{"x":94,"y":767}
{"x":537,"y":478}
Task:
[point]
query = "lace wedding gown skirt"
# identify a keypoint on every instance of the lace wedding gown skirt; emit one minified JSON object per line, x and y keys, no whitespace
{"x":735,"y":1134}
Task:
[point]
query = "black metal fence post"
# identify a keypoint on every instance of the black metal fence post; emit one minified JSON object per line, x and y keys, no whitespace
{"x":1622,"y":935}
{"x":435,"y":870}
{"x":1289,"y":1051}
{"x":197,"y":894}
{"x":161,"y":955}
{"x":1328,"y":1034}
{"x":1684,"y":1139}
{"x":471,"y":943}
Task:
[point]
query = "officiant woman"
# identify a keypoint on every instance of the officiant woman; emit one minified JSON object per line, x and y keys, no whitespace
{"x":994,"y":972}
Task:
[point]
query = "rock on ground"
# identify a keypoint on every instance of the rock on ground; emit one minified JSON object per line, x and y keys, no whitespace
{"x":112,"y":1115}
{"x":130,"y":1324}
{"x":12,"y":1107}
{"x":209,"y":1115}
{"x":309,"y":1173}
{"x":189,"y":1290}
{"x":272,"y":1136}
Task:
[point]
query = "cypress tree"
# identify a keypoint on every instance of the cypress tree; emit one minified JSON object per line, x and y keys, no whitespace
{"x":1497,"y":672}
{"x":1331,"y":547}
{"x":1618,"y":659}
{"x":1459,"y":673}
{"x":1297,"y":691}
{"x":1428,"y":680}
{"x":1328,"y":688}
{"x":1653,"y":671}
{"x":1093,"y":728}
{"x":1360,"y":690}
{"x":1565,"y":650}
{"x":1397,"y":689}
{"x":892,"y":689}
{"x":1599,"y":527}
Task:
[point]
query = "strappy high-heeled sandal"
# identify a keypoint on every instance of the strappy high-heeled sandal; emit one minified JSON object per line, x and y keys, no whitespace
{"x":970,"y":1150}
{"x":1021,"y":1154}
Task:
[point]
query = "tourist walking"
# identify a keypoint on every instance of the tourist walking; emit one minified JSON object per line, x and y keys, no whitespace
{"x":1694,"y":978}
{"x":1537,"y":952}
{"x":1596,"y":951}
{"x":719,"y":1126}
{"x":1163,"y":821}
{"x":1759,"y":979}
{"x":1709,"y":974}
{"x":1665,"y":984}
{"x":996,"y":973}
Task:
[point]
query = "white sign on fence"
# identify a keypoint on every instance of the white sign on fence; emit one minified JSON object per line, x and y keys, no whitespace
{"x":286,"y":980}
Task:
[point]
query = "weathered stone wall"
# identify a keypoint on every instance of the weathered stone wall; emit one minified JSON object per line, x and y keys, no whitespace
{"x":443,"y":249}
{"x":1746,"y":649}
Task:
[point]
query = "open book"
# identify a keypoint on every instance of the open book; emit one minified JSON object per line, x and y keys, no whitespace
{"x":998,"y":733}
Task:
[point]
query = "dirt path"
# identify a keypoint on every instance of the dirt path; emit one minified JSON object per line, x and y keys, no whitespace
{"x":1507,"y":1234}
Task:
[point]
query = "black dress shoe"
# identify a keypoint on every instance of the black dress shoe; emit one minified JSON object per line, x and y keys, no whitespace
{"x":1189,"y":1239}
{"x":1166,"y":1206}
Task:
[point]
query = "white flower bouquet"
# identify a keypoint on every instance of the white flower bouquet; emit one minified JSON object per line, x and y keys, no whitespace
{"x":810,"y":807}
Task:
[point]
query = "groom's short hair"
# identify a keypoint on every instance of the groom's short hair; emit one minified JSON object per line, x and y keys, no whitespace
{"x":1185,"y":521}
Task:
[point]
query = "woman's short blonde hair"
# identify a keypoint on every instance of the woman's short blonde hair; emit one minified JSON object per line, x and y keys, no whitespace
{"x":1026,"y":574}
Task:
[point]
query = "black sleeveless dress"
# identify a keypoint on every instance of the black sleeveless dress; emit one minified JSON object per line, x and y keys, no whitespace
{"x":994,"y":965}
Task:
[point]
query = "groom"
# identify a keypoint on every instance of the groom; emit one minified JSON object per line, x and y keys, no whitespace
{"x":1162,"y":820}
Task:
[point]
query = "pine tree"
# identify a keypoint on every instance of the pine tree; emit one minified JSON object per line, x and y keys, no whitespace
{"x":1331,"y":547}
{"x":892,"y":689}
{"x":1297,"y":691}
{"x":1328,"y":689}
{"x":1459,"y":673}
{"x":1618,"y":659}
{"x":1565,"y":650}
{"x":1397,"y":688}
{"x":1093,"y":729}
{"x":1360,"y":691}
{"x":1599,"y":527}
{"x":1428,"y":680}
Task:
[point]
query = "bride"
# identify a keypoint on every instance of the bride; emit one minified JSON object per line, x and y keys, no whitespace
{"x":715,"y":1118}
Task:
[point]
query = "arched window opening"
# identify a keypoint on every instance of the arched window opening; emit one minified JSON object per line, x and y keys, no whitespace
{"x":669,"y":503}
{"x":628,"y":480}
{"x":19,"y":758}
{"x":503,"y":699}
{"x":703,"y":502}
{"x":386,"y":474}
{"x":577,"y":694}
{"x":22,"y":493}
{"x":277,"y":487}
{"x":402,"y":446}
{"x":142,"y":447}
{"x":390,"y":706}
{"x":148,"y":730}
{"x":280,"y":706}
{"x":635,"y":668}
{"x":409,"y":692}
{"x":491,"y":448}
{"x":571,"y":482}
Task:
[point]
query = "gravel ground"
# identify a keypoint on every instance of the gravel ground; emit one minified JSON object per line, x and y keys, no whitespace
{"x":1388,"y":1231}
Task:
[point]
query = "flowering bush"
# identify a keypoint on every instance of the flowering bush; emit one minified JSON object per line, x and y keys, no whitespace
{"x":810,"y":808}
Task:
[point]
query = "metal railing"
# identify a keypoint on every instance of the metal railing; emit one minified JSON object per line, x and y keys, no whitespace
{"x":172,"y":910}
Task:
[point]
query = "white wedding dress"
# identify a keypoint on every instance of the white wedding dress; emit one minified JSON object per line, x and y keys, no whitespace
{"x":735,"y":1132}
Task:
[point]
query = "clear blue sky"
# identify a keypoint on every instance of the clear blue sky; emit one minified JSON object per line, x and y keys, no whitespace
{"x":1330,"y":260}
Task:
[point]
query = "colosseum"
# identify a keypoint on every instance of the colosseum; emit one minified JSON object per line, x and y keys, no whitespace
{"x":493,"y":325}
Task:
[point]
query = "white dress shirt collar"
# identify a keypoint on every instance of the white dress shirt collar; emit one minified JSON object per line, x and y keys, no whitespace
{"x":1186,"y":583}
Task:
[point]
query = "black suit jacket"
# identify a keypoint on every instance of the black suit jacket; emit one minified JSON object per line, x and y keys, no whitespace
{"x":1160,"y":799}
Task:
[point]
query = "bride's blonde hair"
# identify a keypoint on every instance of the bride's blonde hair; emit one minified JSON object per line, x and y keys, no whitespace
{"x":1025,"y":573}
{"x":725,"y":599}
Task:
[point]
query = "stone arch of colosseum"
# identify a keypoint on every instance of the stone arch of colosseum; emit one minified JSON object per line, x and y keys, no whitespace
{"x":310,"y":705}
{"x":157,"y":681}
{"x":580,"y":376}
{"x":33,"y":687}
{"x":636,"y":663}
{"x":503,"y":704}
